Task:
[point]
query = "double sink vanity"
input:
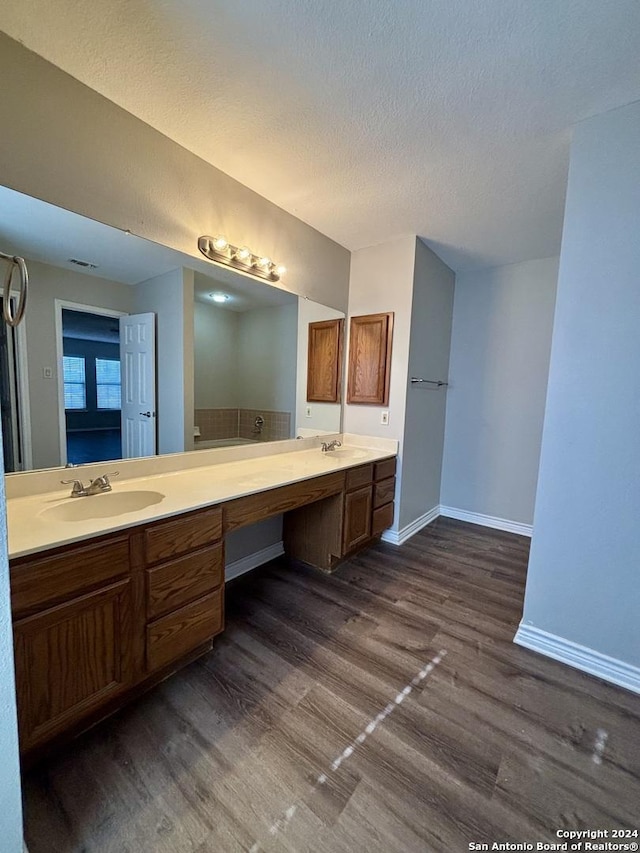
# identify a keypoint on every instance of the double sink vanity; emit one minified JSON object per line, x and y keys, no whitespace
{"x":114,"y":591}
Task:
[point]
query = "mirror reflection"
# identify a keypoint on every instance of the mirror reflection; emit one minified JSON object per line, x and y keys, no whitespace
{"x":129,"y":348}
{"x":245,"y":352}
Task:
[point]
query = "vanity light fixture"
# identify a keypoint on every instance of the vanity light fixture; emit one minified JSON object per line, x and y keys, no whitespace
{"x":220,"y":250}
{"x":220,"y":244}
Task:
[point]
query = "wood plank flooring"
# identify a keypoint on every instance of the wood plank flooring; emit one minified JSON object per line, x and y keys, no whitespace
{"x":494,"y":744}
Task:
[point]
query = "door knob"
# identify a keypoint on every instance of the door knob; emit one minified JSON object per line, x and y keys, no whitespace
{"x":145,"y":414}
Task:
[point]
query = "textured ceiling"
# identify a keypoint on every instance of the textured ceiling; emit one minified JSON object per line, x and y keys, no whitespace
{"x":367,"y":119}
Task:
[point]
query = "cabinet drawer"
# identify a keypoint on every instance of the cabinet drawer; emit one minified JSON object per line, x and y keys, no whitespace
{"x":384,"y":469}
{"x":170,"y":585}
{"x":360,"y":476}
{"x":381,"y":519}
{"x":39,"y":582}
{"x":171,"y":538}
{"x":172,"y":636}
{"x":383,"y":492}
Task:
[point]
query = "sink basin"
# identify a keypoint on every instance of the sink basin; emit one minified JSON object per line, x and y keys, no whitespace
{"x":107,"y":505}
{"x":342,"y":453}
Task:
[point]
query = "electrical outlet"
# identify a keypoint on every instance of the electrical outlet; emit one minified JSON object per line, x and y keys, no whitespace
{"x":47,"y":372}
{"x":307,"y":412}
{"x":384,"y":418}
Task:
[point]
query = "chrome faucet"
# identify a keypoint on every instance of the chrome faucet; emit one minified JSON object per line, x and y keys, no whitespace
{"x":95,"y":487}
{"x":325,"y":448}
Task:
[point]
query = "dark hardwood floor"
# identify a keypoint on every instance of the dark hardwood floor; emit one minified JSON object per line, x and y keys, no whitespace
{"x":494,"y":743}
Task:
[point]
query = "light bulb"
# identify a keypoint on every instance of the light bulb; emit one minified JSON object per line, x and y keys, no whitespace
{"x":219,"y":297}
{"x":265,"y":263}
{"x":220,"y":244}
{"x":244,"y":254}
{"x":280,"y":270}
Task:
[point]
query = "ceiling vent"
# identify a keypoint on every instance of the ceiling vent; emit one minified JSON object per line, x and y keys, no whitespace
{"x":84,"y":264}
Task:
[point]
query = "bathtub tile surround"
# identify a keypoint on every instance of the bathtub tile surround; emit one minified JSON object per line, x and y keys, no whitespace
{"x":217,"y":424}
{"x":276,"y":426}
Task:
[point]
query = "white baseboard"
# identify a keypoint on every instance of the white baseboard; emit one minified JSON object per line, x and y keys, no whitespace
{"x":487,"y":520}
{"x":252,"y":561}
{"x":580,"y":657}
{"x":397,"y":537}
{"x":394,"y":537}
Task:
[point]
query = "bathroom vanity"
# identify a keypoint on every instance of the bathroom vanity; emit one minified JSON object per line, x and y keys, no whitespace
{"x":112,"y":593}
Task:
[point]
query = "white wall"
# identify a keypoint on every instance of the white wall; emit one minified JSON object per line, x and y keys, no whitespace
{"x":46,"y":284}
{"x":429,"y":347}
{"x":500,"y":347}
{"x":382,"y":280}
{"x":10,"y":802}
{"x":256,"y":537}
{"x":583,"y":579}
{"x":170,"y":297}
{"x":267,"y":346}
{"x":215,"y":357}
{"x":325,"y":417}
{"x":406,"y":277}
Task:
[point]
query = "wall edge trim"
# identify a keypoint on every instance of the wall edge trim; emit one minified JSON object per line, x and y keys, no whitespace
{"x":579,"y":657}
{"x":252,"y":561}
{"x":487,"y":520}
{"x":399,"y":537}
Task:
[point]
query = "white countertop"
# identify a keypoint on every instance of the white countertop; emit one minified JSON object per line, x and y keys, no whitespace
{"x":34,"y":520}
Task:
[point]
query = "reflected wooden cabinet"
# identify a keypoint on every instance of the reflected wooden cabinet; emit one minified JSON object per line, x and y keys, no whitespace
{"x":369,"y":368}
{"x":324,"y":365}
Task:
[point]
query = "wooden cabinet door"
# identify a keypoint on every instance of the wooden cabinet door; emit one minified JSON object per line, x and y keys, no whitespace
{"x":370,"y":359}
{"x":357,"y":518}
{"x":324,"y":364}
{"x":70,"y":659}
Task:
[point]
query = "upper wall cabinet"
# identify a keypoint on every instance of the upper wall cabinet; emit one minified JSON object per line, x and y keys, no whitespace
{"x":370,"y":359}
{"x":324,"y":367}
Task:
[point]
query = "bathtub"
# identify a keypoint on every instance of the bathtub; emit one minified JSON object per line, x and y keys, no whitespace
{"x":221,"y":442}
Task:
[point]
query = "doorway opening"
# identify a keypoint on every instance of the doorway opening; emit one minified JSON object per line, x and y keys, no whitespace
{"x":91,"y":385}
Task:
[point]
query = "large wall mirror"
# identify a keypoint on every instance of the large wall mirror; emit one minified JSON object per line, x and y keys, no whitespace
{"x":130,"y":348}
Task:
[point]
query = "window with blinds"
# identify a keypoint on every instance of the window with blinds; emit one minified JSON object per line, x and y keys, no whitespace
{"x":75,"y":383}
{"x":108,"y":383}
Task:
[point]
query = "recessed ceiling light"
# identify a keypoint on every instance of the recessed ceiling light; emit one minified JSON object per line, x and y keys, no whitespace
{"x":219,"y":297}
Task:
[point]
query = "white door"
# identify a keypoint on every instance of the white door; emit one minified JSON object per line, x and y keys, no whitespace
{"x":138,"y":366}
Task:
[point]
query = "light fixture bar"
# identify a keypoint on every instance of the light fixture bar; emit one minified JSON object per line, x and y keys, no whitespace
{"x":241,"y":258}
